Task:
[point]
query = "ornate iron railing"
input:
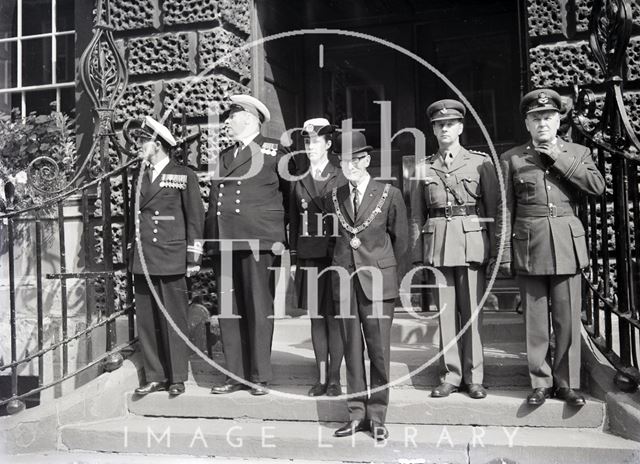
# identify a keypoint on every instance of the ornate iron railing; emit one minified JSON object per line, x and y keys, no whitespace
{"x":104,"y":76}
{"x":613,"y":282}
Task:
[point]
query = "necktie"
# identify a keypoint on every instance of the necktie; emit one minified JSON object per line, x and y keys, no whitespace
{"x":356,"y":201}
{"x":150,"y":172}
{"x":317,"y":175}
{"x":448,"y":159}
{"x":238,"y":148}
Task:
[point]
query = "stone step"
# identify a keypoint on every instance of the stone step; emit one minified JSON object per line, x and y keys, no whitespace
{"x":309,"y":440}
{"x":505,"y":365}
{"x":499,"y":327}
{"x":407,"y":406}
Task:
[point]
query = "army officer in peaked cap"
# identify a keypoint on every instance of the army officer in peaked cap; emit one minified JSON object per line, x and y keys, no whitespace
{"x":248,"y":201}
{"x":545,"y":242}
{"x":309,"y":241}
{"x":453,"y":205}
{"x":168,"y":233}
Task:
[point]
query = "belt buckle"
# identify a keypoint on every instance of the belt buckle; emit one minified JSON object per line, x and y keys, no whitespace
{"x":448,"y":211}
{"x":553,"y":211}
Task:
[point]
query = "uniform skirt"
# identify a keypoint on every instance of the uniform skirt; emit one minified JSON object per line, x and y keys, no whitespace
{"x":302,"y":283}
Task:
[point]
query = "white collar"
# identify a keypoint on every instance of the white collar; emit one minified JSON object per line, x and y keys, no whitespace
{"x":362,"y":186}
{"x":320,"y":166}
{"x":248,"y":139}
{"x":157,"y":168}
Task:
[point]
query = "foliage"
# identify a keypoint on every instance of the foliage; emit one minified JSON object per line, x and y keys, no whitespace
{"x":23,"y":140}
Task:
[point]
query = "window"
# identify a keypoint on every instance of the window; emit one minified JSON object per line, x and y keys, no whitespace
{"x":37,"y":55}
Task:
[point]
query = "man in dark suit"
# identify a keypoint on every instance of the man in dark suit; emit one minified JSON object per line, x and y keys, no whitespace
{"x":456,"y":192}
{"x":372,"y":238}
{"x":248,"y":201}
{"x":168,"y":233}
{"x":545,"y":242}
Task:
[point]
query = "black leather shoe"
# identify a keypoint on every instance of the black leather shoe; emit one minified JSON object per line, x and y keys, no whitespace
{"x":334,"y":389}
{"x":538,"y":396}
{"x":151,"y":387}
{"x":570,"y":397}
{"x":443,"y":390}
{"x":476,"y":391}
{"x":352,"y":427}
{"x":229,"y":387}
{"x":378,"y":430}
{"x":176,"y":389}
{"x":318,"y":389}
{"x":260,"y":389}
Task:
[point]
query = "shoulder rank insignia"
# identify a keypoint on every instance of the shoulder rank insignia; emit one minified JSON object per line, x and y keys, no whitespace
{"x":177,"y":181}
{"x":270,"y":149}
{"x":476,"y":152}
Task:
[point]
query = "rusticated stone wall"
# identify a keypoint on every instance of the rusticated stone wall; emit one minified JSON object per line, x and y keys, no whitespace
{"x":181,"y":56}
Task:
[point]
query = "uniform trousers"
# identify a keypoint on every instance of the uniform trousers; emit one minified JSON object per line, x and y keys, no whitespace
{"x":165,"y":355}
{"x":456,"y":301}
{"x":360,"y":329}
{"x":564,"y":294}
{"x":247,"y":339}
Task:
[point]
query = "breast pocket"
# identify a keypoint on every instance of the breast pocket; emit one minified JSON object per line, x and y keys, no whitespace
{"x":525,"y":187}
{"x":433,"y":192}
{"x":472,"y":188}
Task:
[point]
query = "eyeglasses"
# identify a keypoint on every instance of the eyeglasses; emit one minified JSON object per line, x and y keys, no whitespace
{"x":352,"y":160}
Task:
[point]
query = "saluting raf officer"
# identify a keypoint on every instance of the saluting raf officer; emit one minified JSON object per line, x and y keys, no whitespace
{"x":248,"y":200}
{"x":546,"y":246}
{"x":168,"y":232}
{"x":453,"y":204}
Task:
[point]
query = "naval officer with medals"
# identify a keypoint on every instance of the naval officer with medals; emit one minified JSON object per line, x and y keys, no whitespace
{"x":371,"y":243}
{"x":168,"y":232}
{"x":248,"y":201}
{"x":309,"y":243}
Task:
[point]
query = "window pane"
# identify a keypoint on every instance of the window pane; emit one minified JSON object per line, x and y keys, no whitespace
{"x":8,"y":18}
{"x":5,"y":103}
{"x":64,"y":15}
{"x":36,"y":16}
{"x":8,"y":68}
{"x":40,"y":101}
{"x":36,"y":61}
{"x":68,"y":100}
{"x":65,"y":63}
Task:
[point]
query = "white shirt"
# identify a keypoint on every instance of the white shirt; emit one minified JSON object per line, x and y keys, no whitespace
{"x":244,"y":141}
{"x":157,"y":168}
{"x":320,"y":167}
{"x":362,"y":187}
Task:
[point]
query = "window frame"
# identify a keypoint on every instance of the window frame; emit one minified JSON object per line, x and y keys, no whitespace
{"x":18,"y":39}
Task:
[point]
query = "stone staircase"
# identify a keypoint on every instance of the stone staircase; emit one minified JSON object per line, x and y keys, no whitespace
{"x":288,"y":425}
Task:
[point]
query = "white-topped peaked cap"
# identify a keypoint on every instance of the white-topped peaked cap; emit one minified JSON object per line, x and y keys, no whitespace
{"x":154,"y":128}
{"x":253,"y":106}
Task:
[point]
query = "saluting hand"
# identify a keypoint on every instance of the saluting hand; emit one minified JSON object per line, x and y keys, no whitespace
{"x":192,"y":270}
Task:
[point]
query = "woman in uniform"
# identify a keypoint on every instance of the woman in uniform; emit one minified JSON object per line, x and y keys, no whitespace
{"x":311,"y":253}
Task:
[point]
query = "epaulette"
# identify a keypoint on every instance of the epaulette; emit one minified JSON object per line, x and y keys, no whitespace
{"x":269,"y":148}
{"x":476,"y":152}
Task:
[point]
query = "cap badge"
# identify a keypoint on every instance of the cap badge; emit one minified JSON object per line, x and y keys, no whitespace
{"x":309,"y":128}
{"x":444,"y":110}
{"x":542,"y":98}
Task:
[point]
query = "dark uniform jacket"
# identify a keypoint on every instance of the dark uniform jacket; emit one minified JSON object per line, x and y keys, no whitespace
{"x":170,"y":220}
{"x":458,"y":240}
{"x":546,"y":236}
{"x":252,"y":207}
{"x":307,"y":212}
{"x":383,"y":243}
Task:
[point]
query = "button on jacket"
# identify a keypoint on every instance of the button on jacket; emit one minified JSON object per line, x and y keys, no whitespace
{"x":170,"y":220}
{"x":246,"y":202}
{"x":456,"y":240}
{"x":544,"y":236}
